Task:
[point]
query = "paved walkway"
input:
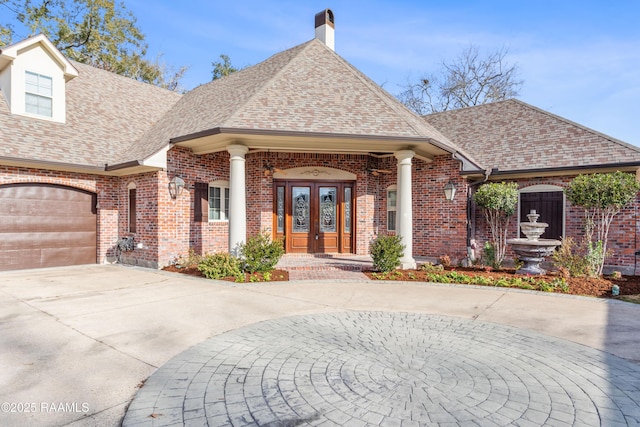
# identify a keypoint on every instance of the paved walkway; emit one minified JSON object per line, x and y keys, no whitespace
{"x":79,"y":342}
{"x":388,"y":369}
{"x":325,"y":266}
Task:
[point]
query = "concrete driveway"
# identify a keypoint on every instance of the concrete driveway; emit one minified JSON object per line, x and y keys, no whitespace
{"x":78,"y":342}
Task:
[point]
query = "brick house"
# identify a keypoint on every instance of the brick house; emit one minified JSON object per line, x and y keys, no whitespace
{"x":543,"y":152}
{"x":302,"y":145}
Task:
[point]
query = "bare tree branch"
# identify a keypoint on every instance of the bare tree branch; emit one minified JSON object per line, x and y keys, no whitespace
{"x":470,"y":79}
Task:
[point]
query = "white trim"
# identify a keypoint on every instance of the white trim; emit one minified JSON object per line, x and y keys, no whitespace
{"x":11,"y":52}
{"x":541,"y":188}
{"x":390,"y":188}
{"x":222,"y":185}
{"x":545,"y":188}
{"x":310,"y":173}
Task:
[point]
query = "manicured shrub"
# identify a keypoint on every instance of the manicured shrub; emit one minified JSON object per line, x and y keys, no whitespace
{"x":498,"y":202}
{"x":602,"y":195}
{"x":221,"y":265}
{"x":386,"y":252}
{"x":260,"y":253}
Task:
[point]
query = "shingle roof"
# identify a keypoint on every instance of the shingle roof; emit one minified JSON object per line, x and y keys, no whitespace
{"x":105,"y":114}
{"x":512,"y":135}
{"x":308,"y":88}
{"x":115,"y":120}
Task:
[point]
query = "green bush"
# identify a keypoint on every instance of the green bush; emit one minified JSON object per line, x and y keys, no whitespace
{"x":567,"y":256}
{"x":221,"y":265}
{"x":386,"y":252}
{"x":489,"y":256}
{"x":260,"y":253}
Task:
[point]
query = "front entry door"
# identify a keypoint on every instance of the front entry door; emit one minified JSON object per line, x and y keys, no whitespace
{"x":314,"y":217}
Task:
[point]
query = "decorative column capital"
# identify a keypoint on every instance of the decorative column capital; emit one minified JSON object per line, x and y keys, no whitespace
{"x":237,"y":150}
{"x":404,"y":156}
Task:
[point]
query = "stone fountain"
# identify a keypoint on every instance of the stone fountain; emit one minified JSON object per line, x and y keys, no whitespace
{"x":532,"y":250}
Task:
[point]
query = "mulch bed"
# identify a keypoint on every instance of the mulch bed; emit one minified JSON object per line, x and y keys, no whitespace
{"x":276,"y":275}
{"x":597,"y":287}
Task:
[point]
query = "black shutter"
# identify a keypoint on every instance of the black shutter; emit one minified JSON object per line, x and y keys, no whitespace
{"x":132,"y":210}
{"x":201,"y":202}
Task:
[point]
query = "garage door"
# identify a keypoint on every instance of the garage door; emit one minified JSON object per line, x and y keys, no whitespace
{"x":45,"y":225}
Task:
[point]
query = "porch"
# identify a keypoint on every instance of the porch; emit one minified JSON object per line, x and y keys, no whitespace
{"x":328,"y":266}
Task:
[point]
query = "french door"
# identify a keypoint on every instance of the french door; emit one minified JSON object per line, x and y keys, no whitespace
{"x":314,"y":216}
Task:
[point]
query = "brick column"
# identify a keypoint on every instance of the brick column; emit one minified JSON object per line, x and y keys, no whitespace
{"x":237,"y":197}
{"x":404,"y":207}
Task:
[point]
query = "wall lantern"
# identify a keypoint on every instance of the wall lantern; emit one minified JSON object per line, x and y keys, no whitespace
{"x":176,"y":185}
{"x":449,"y":191}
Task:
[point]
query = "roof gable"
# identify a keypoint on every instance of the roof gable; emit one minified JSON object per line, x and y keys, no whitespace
{"x":9,"y":53}
{"x":106,"y":114}
{"x":308,"y":89}
{"x":514,"y":136}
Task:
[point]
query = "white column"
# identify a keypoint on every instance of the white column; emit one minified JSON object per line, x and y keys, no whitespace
{"x":237,"y":197}
{"x":404,"y":207}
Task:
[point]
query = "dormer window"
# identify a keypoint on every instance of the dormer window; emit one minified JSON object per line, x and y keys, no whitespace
{"x":38,"y":94}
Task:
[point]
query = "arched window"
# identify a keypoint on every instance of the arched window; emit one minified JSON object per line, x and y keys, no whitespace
{"x":132,"y":207}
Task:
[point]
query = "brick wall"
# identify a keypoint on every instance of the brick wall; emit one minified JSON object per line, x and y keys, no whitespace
{"x":166,"y":228}
{"x":178,"y":232}
{"x":623,"y":235}
{"x":439,"y":225}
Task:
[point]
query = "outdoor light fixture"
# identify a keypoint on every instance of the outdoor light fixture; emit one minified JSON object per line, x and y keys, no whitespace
{"x":176,"y":185}
{"x":449,"y":191}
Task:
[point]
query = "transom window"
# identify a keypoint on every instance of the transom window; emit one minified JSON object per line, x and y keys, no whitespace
{"x":391,"y":208}
{"x":38,"y":94}
{"x":218,"y":202}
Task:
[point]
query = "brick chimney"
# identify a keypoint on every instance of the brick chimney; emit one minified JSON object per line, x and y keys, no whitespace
{"x":325,"y":28}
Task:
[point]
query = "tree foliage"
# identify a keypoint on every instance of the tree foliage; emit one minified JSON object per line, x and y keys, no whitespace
{"x":470,"y":79}
{"x":100,"y":33}
{"x":602,"y":196}
{"x":222,"y":68}
{"x":498,"y":202}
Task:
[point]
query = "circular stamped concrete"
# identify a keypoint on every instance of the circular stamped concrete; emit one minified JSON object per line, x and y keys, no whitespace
{"x":388,"y":369}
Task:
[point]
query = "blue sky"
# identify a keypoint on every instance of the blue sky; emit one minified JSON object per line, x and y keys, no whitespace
{"x":578,"y":59}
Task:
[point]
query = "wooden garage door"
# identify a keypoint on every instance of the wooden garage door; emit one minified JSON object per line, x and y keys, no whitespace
{"x":45,"y":225}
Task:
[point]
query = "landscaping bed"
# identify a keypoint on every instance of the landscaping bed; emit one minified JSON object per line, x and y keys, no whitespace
{"x":597,"y":287}
{"x":273,"y":276}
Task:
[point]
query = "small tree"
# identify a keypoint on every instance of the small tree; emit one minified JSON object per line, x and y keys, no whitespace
{"x":602,"y":196}
{"x":498,"y":202}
